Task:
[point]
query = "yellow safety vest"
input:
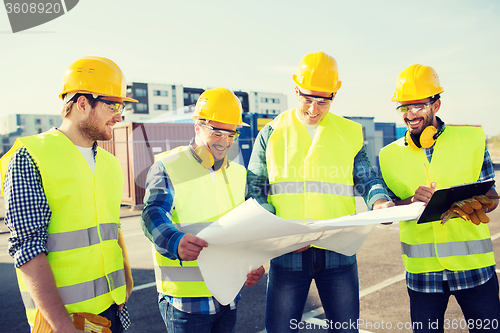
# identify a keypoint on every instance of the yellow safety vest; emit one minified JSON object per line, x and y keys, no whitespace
{"x":312,"y":179}
{"x":199,"y":201}
{"x":430,"y":247}
{"x":82,"y":242}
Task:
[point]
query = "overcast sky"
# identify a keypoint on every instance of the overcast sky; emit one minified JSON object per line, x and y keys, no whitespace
{"x":256,"y":45}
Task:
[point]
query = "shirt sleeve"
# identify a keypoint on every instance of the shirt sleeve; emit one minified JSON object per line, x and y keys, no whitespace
{"x":487,"y":170}
{"x":156,"y":218}
{"x":367,"y":182}
{"x":27,"y":212}
{"x":257,"y":177}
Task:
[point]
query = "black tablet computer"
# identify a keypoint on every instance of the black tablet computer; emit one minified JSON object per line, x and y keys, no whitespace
{"x":442,"y":199}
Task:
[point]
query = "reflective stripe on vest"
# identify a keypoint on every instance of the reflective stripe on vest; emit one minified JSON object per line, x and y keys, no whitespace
{"x":459,"y":244}
{"x":81,"y":238}
{"x":183,"y":274}
{"x":465,"y":248}
{"x":84,"y":254}
{"x":312,"y":178}
{"x":311,"y":186}
{"x":83,"y":291}
{"x":199,"y":201}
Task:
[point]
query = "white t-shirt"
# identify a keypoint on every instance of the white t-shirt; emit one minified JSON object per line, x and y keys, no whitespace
{"x":311,"y":129}
{"x":88,"y":154}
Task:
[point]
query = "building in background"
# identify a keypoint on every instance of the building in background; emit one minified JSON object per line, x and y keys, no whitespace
{"x":153,"y":100}
{"x":375,"y":136}
{"x":175,"y":103}
{"x":16,"y":125}
{"x":400,"y":131}
{"x":372,"y":142}
{"x":267,"y":103}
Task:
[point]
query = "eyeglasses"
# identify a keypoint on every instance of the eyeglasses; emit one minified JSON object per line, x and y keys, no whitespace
{"x":413,"y":108}
{"x":115,"y":108}
{"x":220,"y":133}
{"x":320,"y":100}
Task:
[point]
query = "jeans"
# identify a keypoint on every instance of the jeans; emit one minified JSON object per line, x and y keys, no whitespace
{"x":480,"y":306}
{"x":287,"y":292}
{"x":178,"y":321}
{"x":112,"y":314}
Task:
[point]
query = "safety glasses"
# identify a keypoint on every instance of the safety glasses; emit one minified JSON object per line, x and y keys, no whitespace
{"x":220,"y":133}
{"x":114,"y":108}
{"x":413,"y":108}
{"x":321,"y":101}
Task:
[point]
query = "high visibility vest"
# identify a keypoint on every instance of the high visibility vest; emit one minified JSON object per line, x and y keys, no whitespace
{"x":312,"y":179}
{"x":199,"y":201}
{"x":82,"y":242}
{"x":457,"y":158}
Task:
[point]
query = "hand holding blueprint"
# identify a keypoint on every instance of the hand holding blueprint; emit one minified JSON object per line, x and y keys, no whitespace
{"x":249,"y":236}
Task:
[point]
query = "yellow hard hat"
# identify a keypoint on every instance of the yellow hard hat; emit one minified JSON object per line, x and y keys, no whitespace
{"x":220,"y":105}
{"x":95,"y":75}
{"x":318,"y":71}
{"x":417,"y":82}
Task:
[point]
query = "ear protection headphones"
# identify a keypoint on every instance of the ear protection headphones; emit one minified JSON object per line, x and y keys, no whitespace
{"x":426,"y":139}
{"x":203,"y":156}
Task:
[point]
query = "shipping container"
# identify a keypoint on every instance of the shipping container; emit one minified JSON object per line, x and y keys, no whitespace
{"x":248,"y":134}
{"x":135,"y":144}
{"x":388,"y":131}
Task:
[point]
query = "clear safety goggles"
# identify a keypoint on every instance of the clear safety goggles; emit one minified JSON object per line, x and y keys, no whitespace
{"x":413,"y":108}
{"x":220,"y":133}
{"x":115,"y":108}
{"x":321,"y":101}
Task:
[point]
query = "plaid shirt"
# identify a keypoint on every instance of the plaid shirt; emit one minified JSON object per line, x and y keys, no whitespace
{"x":156,"y":222}
{"x":28,"y":214}
{"x":432,"y":282}
{"x":367,"y":183}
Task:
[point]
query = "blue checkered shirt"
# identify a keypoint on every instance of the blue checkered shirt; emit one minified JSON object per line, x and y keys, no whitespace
{"x":156,"y":222}
{"x":364,"y":176}
{"x":432,"y":282}
{"x":27,"y":212}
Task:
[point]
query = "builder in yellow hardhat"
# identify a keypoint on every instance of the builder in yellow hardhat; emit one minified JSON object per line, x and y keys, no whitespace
{"x":309,"y":161}
{"x":62,"y":197}
{"x":205,"y":185}
{"x":455,"y":258}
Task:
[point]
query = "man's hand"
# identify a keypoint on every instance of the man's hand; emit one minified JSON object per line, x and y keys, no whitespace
{"x":255,"y":276}
{"x":424,"y":193}
{"x":190,"y":247}
{"x":382,"y":203}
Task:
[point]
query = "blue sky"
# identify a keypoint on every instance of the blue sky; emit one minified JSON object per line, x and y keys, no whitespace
{"x":256,"y":45}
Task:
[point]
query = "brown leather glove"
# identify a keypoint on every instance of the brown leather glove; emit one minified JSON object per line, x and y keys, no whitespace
{"x":469,"y":209}
{"x":83,"y":321}
{"x":92,"y":323}
{"x":485,"y":200}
